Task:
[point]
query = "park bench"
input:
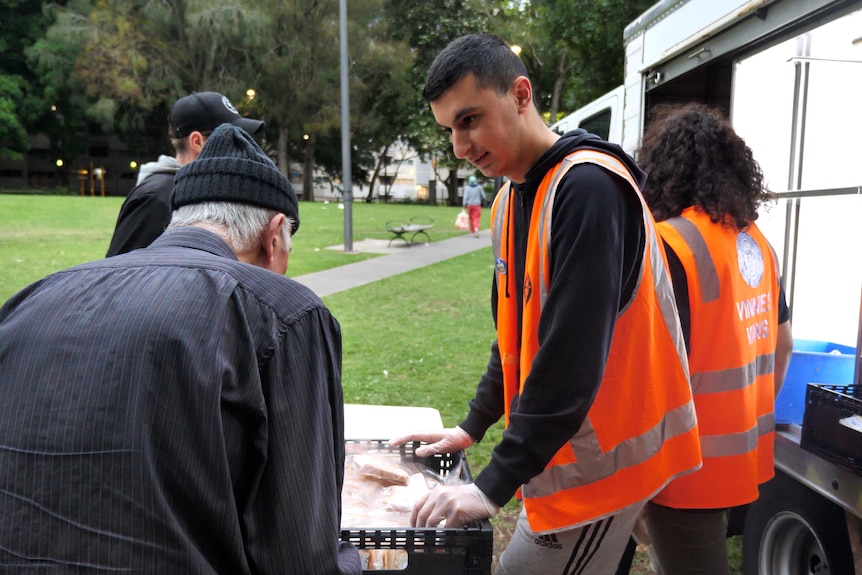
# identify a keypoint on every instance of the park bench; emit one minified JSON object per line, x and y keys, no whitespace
{"x":416,"y":226}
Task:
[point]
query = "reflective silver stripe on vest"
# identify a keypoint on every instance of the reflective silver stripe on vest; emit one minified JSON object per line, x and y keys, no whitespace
{"x":739,"y":443}
{"x":709,"y":284}
{"x":664,"y":289}
{"x":766,"y":423}
{"x":732,"y":379}
{"x":546,"y":217}
{"x":595,"y":465}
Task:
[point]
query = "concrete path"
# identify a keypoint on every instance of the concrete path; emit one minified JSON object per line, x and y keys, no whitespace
{"x":400,"y":259}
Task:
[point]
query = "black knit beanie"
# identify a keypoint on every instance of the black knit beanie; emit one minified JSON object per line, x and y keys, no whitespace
{"x":232,"y":168}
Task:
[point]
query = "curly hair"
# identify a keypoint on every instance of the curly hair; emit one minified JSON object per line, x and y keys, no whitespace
{"x":693,"y":157}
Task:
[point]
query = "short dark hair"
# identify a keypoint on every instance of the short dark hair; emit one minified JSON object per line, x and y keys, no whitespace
{"x":487,"y":57}
{"x":694,"y":158}
{"x":181,"y":145}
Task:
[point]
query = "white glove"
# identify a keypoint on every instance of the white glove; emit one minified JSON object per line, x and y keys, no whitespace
{"x":448,"y":440}
{"x":457,"y":504}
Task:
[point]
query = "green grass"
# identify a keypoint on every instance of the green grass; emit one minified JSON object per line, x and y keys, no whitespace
{"x":41,"y":234}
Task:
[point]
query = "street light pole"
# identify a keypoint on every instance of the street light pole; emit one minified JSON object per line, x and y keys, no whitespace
{"x":345,"y":133}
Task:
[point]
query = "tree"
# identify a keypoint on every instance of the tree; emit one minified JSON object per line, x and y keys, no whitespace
{"x":13,"y":137}
{"x":59,"y":104}
{"x":380,"y":88}
{"x":574,"y":48}
{"x":307,"y":108}
{"x":427,"y":27}
{"x":297,"y":72}
{"x":23,"y":23}
{"x":120,"y":65}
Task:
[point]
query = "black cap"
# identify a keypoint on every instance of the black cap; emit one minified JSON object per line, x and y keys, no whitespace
{"x":232,"y":168}
{"x":205,"y":111}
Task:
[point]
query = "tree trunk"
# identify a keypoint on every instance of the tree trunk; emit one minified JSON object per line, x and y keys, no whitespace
{"x":283,"y":155}
{"x":452,"y":187}
{"x":370,"y":197}
{"x":558,"y":85}
{"x":308,"y":170}
{"x":380,"y":159}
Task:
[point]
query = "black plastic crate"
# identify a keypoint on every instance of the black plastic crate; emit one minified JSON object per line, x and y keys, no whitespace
{"x":822,"y":433}
{"x":444,"y":551}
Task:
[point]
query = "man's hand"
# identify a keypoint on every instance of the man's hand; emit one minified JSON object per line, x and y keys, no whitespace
{"x":457,"y":504}
{"x":448,"y":440}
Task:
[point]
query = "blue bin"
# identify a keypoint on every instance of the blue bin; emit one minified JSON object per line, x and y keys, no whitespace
{"x":812,"y":362}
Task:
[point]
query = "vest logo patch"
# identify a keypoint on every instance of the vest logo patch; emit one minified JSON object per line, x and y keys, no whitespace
{"x":750,"y":259}
{"x":549,"y":541}
{"x":500,"y":266}
{"x":528,"y":289}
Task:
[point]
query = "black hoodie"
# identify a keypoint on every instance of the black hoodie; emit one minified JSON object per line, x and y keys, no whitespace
{"x":597,"y":242}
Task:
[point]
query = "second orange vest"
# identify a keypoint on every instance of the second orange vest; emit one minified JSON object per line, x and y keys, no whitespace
{"x":733,"y":289}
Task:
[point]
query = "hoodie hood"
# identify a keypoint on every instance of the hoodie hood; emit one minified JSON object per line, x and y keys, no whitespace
{"x":579,"y":138}
{"x":164,"y":165}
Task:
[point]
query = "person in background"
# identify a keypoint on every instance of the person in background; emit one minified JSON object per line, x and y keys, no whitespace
{"x":146,"y":211}
{"x":178,"y":409}
{"x":589,"y":367}
{"x":474,"y":197}
{"x":704,"y":188}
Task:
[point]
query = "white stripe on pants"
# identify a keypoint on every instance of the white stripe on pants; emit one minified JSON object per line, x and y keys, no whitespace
{"x":592,"y":549}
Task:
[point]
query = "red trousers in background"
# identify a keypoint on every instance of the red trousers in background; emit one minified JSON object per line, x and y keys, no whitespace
{"x":475,"y":213}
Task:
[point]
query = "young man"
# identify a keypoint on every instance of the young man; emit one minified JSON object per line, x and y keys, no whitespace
{"x":589,"y":366}
{"x":146,"y":211}
{"x":178,"y":409}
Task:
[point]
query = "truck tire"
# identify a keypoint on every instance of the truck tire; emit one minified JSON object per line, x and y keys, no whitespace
{"x":791,"y":530}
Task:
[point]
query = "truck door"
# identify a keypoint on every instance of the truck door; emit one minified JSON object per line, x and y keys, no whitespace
{"x":790,"y":78}
{"x":797,"y":105}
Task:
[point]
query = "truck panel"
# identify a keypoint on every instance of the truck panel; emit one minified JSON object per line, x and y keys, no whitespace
{"x":829,"y":480}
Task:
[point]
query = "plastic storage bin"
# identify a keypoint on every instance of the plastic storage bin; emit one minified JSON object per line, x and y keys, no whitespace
{"x":812,"y":362}
{"x":444,"y":551}
{"x":823,"y":432}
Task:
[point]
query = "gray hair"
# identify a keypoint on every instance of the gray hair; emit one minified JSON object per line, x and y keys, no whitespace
{"x":242,"y":225}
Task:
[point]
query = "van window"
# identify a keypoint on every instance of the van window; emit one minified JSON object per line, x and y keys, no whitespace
{"x":598,"y":124}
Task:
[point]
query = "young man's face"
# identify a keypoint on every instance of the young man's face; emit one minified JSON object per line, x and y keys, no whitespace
{"x":484,"y":127}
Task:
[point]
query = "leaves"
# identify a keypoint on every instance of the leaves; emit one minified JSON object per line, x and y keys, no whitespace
{"x":118,"y":65}
{"x":13,"y":137}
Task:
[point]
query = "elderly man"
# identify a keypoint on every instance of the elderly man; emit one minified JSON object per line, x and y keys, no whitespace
{"x":178,"y":409}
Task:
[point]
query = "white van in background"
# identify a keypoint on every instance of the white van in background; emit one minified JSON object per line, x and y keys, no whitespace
{"x":601,"y":117}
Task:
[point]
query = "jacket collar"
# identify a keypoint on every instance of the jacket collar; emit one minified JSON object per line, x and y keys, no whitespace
{"x":195,"y":238}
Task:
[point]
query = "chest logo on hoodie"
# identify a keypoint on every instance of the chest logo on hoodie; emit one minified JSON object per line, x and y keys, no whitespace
{"x":528,"y":289}
{"x":500,"y":266}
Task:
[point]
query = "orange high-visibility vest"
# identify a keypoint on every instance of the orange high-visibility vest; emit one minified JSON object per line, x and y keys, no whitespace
{"x":733,"y":290}
{"x":640,"y":431}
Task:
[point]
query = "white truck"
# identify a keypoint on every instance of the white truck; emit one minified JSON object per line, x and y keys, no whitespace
{"x":789,"y":75}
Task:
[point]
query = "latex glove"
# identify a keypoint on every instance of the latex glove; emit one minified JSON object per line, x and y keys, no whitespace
{"x":449,"y":440}
{"x":457,"y":504}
